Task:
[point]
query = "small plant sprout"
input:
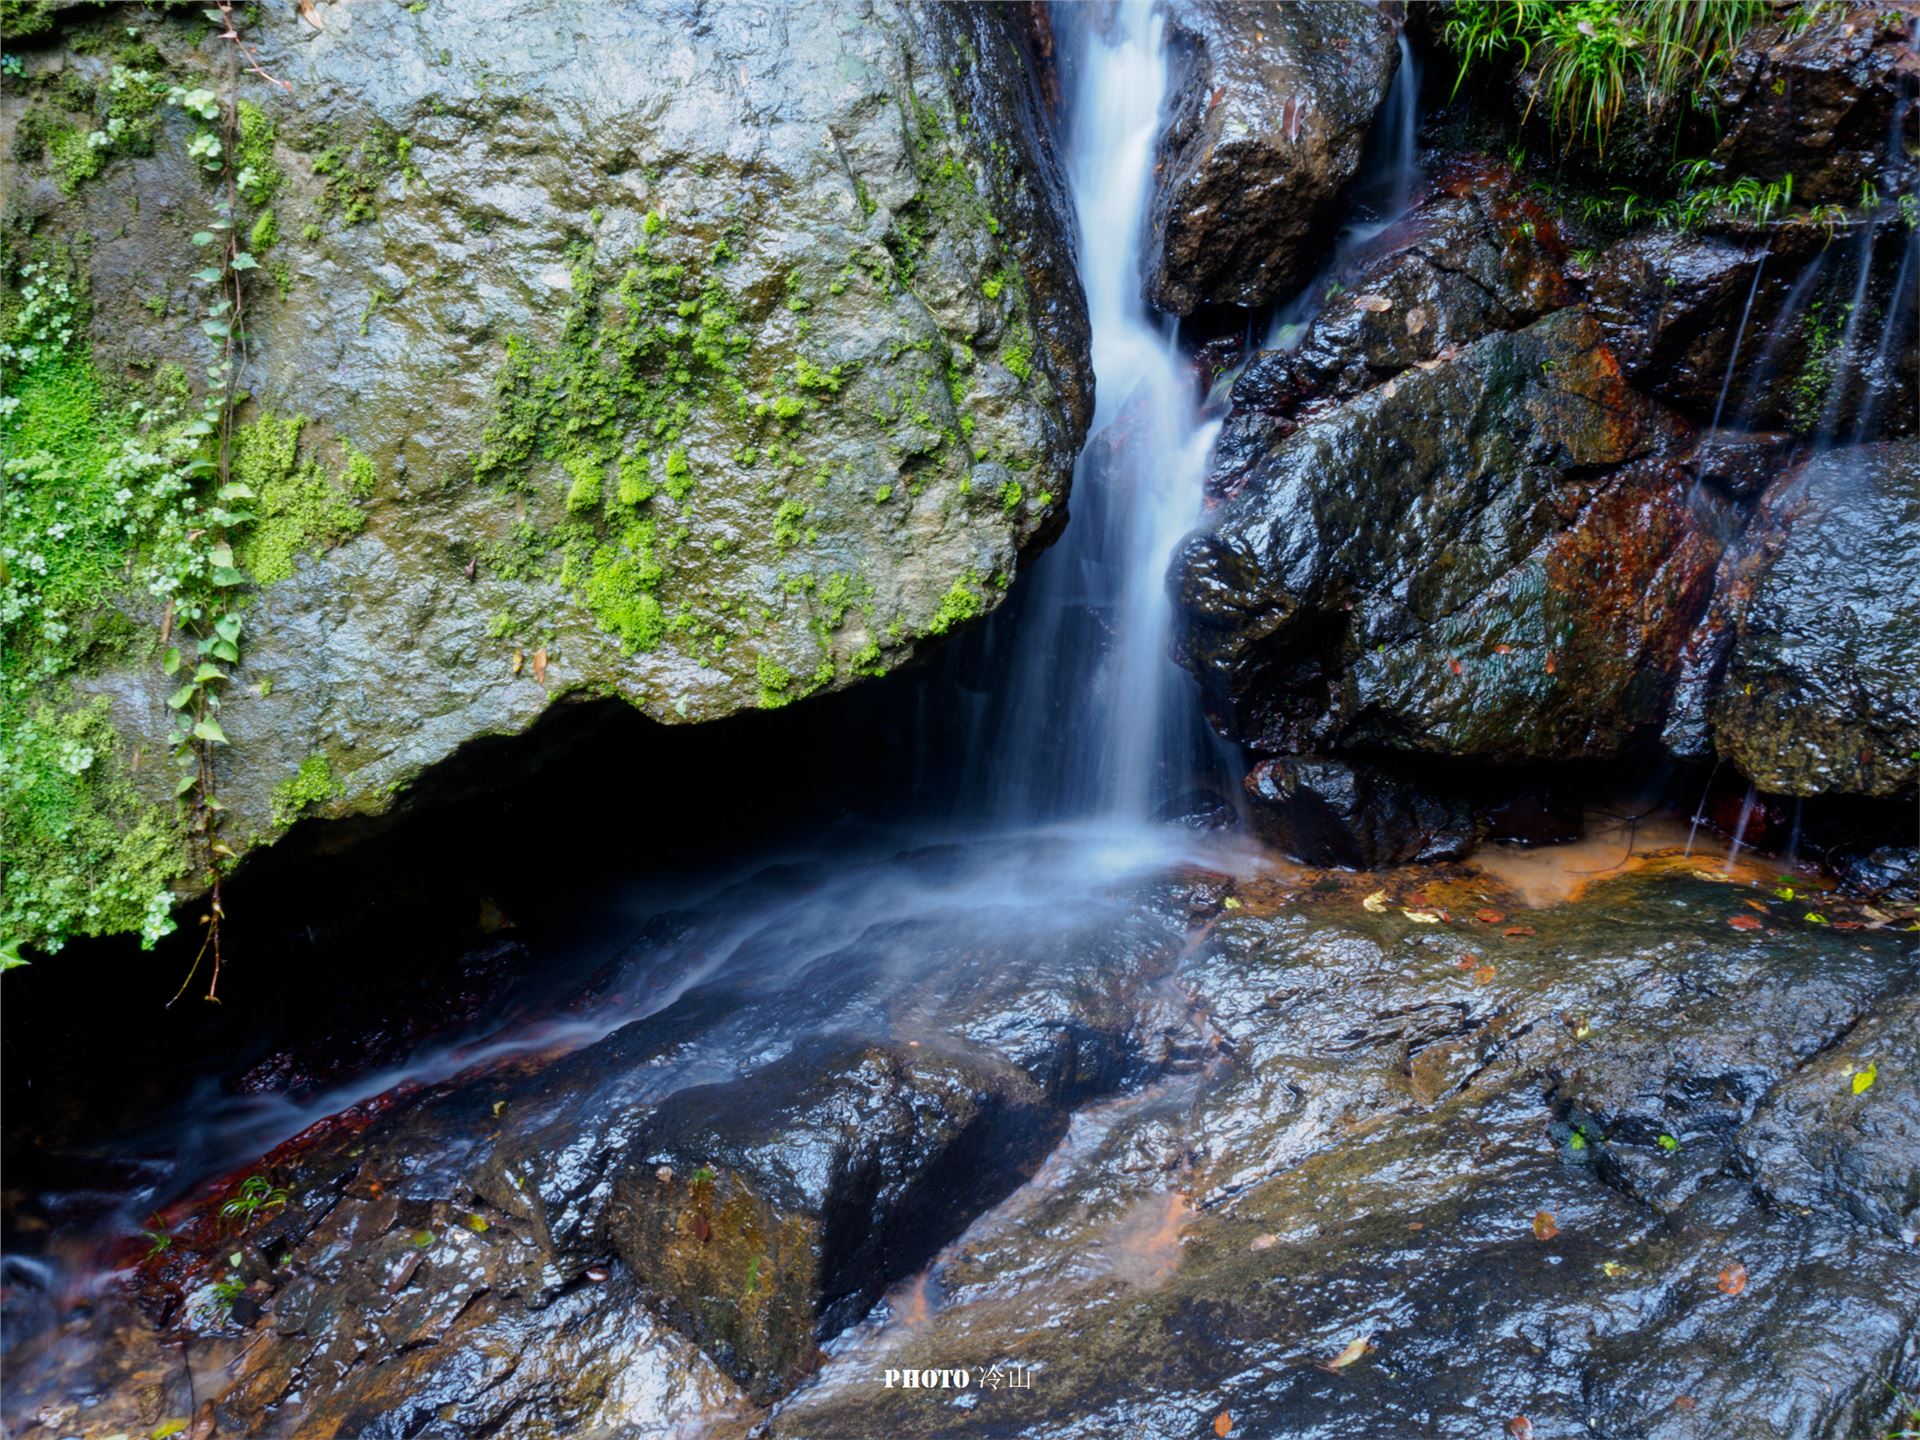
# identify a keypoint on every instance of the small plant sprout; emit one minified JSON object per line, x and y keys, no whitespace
{"x":256,"y":1194}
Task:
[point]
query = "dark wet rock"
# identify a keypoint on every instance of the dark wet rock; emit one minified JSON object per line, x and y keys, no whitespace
{"x":1460,"y":562}
{"x":1787,"y":307}
{"x":767,"y":1214}
{"x":1477,"y":256}
{"x":1890,"y":872}
{"x":1366,"y":1162}
{"x":1673,"y":304}
{"x":1325,"y":812}
{"x":1846,"y":1127}
{"x":1831,"y":106}
{"x":1269,"y":107}
{"x":1743,"y":463}
{"x":1822,"y":622}
{"x":795,"y":168}
{"x":1536,"y":810}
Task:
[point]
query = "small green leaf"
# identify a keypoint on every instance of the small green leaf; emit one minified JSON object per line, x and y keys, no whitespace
{"x":236,"y":491}
{"x":225,"y":650}
{"x":218,"y":329}
{"x":244,"y":261}
{"x":1814,"y":918}
{"x":1863,"y":1079}
{"x":225,"y":575}
{"x":1576,"y":1141}
{"x":10,"y":957}
{"x":208,"y":274}
{"x":227,"y":627}
{"x":171,"y":661}
{"x":208,"y":672}
{"x":210,"y":731}
{"x":222,"y":554}
{"x":203,"y":237}
{"x":422,"y":1238}
{"x":1669,"y":1144}
{"x":187,"y":782}
{"x":182,"y":697}
{"x":168,"y":1428}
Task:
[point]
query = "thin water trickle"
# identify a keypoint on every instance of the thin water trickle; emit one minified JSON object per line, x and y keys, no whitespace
{"x":1740,"y":831}
{"x":1383,"y":191}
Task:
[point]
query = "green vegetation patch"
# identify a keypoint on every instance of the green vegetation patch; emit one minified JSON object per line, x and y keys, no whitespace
{"x":301,"y":508}
{"x":309,"y":786}
{"x":84,"y":853}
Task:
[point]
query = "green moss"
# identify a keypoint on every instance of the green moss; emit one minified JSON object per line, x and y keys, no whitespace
{"x":961,"y":603}
{"x":353,"y":175}
{"x":1018,"y":354}
{"x":622,"y":587}
{"x":258,"y":177}
{"x":298,"y":506}
{"x":1010,"y":496}
{"x":84,"y":853}
{"x":776,"y":683}
{"x":312,"y":784}
{"x":589,"y":477}
{"x":679,"y":475}
{"x":75,"y":159}
{"x":265,"y":231}
{"x":20,"y":18}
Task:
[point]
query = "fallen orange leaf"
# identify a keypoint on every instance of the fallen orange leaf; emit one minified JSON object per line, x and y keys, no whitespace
{"x":1684,"y":1402}
{"x":1733,"y":1279}
{"x":1488,"y":917}
{"x":1222,"y":1423}
{"x":1743,"y":922}
{"x":1545,"y":1227}
{"x":1520,"y":1428}
{"x":1513,"y":931}
{"x":1484,"y":975}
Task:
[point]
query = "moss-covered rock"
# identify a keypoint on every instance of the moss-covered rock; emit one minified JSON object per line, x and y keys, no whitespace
{"x":611,"y":350}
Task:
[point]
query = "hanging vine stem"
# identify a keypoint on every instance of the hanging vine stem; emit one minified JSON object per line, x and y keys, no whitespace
{"x":197,"y":735}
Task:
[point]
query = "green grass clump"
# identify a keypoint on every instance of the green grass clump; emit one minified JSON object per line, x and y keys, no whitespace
{"x":1593,"y":54}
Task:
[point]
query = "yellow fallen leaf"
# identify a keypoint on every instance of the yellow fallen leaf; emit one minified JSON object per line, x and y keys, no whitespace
{"x":1376,"y":903}
{"x":1421,"y":917}
{"x":1264,"y":1242}
{"x":1355,"y":1349}
{"x":1863,"y":1079}
{"x":1231,"y":903}
{"x":1374,"y":303}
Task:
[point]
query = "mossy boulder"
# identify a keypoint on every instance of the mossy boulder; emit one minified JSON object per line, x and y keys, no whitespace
{"x":592,"y":350}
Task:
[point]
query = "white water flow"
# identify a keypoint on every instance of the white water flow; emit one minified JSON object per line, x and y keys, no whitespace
{"x":1097,"y":720}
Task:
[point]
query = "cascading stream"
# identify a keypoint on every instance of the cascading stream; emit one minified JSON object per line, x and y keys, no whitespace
{"x":1095,"y":721}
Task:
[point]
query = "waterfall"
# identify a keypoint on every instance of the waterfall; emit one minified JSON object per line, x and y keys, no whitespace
{"x":1095,"y":720}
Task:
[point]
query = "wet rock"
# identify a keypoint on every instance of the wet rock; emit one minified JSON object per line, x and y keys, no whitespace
{"x":1822,"y":621}
{"x":1831,"y":106}
{"x":1767,"y":328}
{"x":770,"y":187}
{"x":1324,"y":812}
{"x":767,"y":1214}
{"x":1674,"y":303}
{"x":1458,"y":562}
{"x":1846,"y":1127}
{"x":1372,"y":1163}
{"x":1743,"y":463}
{"x":1889,"y":872}
{"x":1269,"y":107}
{"x":1476,"y":256}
